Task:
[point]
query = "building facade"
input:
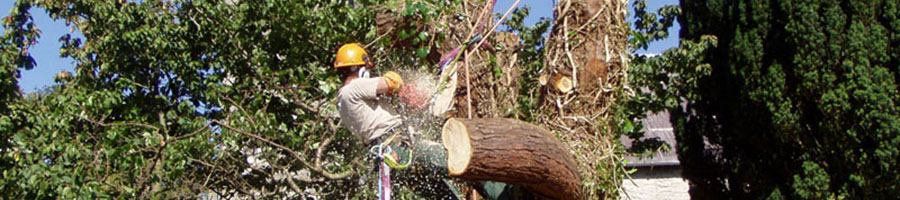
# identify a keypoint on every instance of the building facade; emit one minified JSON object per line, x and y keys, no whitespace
{"x":658,"y":176}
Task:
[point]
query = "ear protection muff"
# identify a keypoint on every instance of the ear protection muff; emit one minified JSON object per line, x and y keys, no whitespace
{"x":362,"y":72}
{"x":368,"y":61}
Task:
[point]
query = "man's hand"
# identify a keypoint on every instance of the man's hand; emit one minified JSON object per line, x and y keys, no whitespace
{"x":393,"y":80}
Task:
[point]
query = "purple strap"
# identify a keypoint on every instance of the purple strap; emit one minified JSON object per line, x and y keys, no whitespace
{"x":384,"y":182}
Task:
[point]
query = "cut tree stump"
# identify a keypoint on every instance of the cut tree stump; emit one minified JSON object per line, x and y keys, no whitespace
{"x":511,"y":151}
{"x":563,"y":83}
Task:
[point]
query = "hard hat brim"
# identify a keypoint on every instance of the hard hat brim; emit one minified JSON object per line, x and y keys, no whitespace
{"x":352,"y":64}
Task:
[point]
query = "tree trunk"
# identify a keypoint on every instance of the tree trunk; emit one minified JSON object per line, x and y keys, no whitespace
{"x":511,"y":151}
{"x":586,"y":60}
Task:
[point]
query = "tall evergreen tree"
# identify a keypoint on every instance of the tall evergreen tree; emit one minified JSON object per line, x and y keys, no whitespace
{"x":801,"y":102}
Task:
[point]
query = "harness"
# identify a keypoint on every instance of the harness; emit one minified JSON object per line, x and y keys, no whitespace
{"x":382,"y":153}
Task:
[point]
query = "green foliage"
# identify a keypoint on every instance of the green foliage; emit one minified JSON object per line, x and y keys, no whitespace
{"x":651,"y":26}
{"x":20,"y":35}
{"x":420,"y":27}
{"x":198,"y":98}
{"x":663,"y":82}
{"x":530,"y":58}
{"x":660,"y":82}
{"x":801,"y":101}
{"x":813,"y":182}
{"x":174,"y":99}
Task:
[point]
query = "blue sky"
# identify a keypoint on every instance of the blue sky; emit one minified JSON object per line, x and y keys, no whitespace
{"x":544,"y":8}
{"x":46,"y":52}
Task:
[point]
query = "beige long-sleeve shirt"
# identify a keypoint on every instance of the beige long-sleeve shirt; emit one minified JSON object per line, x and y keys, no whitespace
{"x":362,"y":112}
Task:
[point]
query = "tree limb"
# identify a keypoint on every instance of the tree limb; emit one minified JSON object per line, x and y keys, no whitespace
{"x":298,"y":156}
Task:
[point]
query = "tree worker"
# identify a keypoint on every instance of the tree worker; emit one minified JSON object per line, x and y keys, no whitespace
{"x":365,"y":111}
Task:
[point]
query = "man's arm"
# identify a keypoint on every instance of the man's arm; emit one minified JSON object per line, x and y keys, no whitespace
{"x":382,"y":88}
{"x":370,"y":88}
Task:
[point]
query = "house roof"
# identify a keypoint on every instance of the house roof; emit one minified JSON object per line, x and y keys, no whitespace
{"x":655,"y":126}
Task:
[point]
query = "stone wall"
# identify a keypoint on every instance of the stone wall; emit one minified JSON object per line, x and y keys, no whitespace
{"x":656,"y":183}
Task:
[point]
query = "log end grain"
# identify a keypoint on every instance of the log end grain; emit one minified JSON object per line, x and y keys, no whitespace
{"x":459,"y":148}
{"x":543,"y":79}
{"x":563,"y":84}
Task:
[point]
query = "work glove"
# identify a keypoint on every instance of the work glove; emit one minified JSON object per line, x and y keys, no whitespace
{"x":394,"y":81}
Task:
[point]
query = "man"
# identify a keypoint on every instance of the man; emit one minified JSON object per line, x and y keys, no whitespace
{"x":366,"y":113}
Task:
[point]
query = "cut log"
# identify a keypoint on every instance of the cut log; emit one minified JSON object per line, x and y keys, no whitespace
{"x":589,"y":77}
{"x":543,"y":79}
{"x":511,"y":151}
{"x":563,"y":83}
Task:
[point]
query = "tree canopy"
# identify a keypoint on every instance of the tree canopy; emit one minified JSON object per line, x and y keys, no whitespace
{"x":205,"y":98}
{"x":169,"y":93}
{"x":801,"y":100}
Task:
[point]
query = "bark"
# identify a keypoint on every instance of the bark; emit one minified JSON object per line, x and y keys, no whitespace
{"x":585,"y":68}
{"x":513,"y":152}
{"x":590,"y":77}
{"x":594,"y":73}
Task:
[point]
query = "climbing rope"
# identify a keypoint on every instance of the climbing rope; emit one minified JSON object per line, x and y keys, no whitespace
{"x":384,"y":182}
{"x":475,"y":38}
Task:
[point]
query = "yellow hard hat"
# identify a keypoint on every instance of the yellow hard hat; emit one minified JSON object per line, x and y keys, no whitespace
{"x":352,"y":54}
